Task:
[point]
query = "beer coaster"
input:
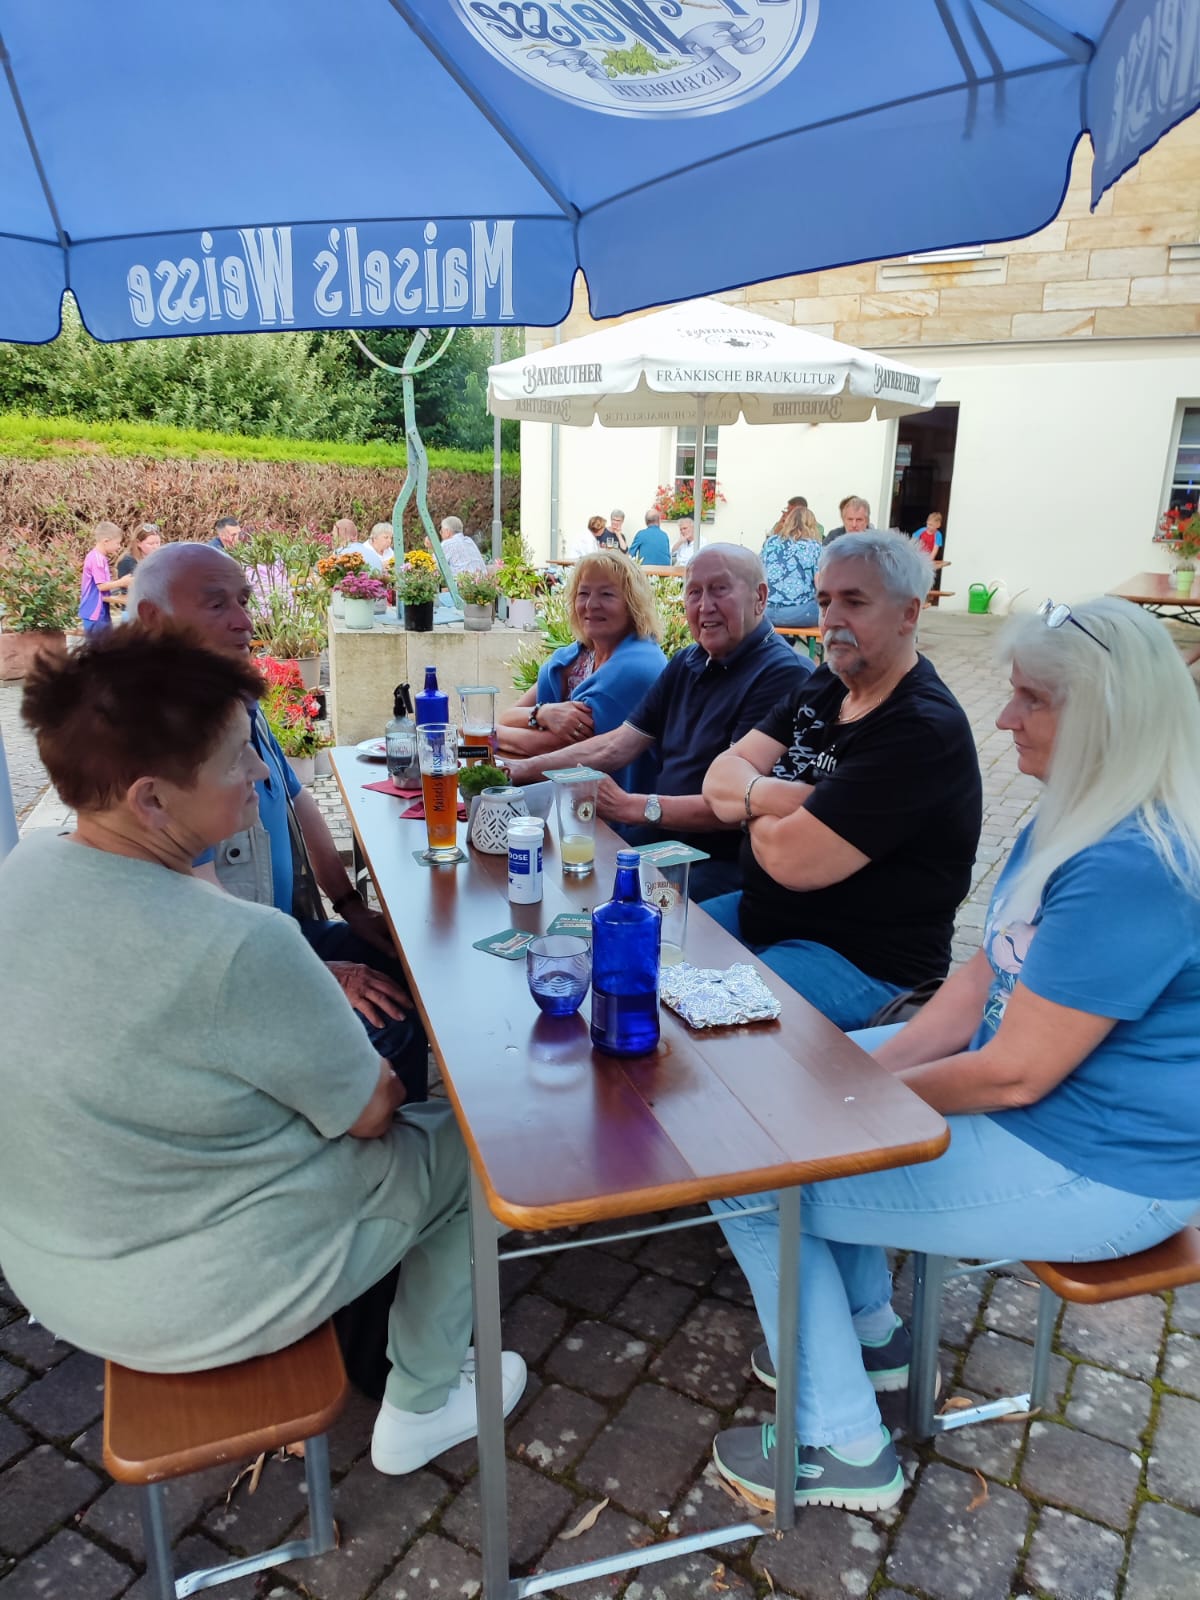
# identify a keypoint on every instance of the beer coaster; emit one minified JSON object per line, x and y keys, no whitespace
{"x":571,"y":774}
{"x":578,"y":923}
{"x":669,"y":853}
{"x":423,"y":859}
{"x":508,"y":945}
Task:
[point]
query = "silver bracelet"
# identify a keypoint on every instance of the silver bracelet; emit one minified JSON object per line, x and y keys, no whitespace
{"x":749,"y":790}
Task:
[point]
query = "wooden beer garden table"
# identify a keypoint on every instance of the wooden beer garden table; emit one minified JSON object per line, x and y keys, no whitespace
{"x":561,"y":1134}
{"x":1156,"y":592}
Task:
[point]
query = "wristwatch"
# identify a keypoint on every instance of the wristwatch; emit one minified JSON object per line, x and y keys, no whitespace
{"x":653,"y":811}
{"x":533,"y":721}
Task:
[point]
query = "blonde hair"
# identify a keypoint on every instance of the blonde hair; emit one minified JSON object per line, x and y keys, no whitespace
{"x":1127,"y":743}
{"x":107,"y":530}
{"x":635,"y":590}
{"x":798,"y":523}
{"x":132,"y":546}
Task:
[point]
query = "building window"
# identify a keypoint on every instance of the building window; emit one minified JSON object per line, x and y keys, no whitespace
{"x":685,"y":467}
{"x":1185,"y":479}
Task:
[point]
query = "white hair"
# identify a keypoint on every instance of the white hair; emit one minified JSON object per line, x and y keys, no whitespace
{"x":906,"y":570}
{"x":1127,"y":743}
{"x":379,"y":529}
{"x":453,"y":523}
{"x":154,"y":578}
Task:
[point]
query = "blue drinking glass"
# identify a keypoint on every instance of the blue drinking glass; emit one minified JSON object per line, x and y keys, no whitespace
{"x":559,"y":969}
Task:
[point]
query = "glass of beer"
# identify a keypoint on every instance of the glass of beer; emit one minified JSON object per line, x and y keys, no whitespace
{"x":437,"y":750}
{"x":575,"y":791}
{"x":478,"y":722}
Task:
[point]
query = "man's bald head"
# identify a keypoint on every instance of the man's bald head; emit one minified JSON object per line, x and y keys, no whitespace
{"x":198,"y":587}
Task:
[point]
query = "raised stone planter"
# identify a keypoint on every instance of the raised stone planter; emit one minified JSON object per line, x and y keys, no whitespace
{"x":17,"y":650}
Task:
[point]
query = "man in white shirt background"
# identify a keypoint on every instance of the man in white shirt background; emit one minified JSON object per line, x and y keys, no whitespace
{"x":461,"y":552}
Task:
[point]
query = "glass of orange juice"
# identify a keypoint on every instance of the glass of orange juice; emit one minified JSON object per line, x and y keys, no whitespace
{"x":575,"y":791}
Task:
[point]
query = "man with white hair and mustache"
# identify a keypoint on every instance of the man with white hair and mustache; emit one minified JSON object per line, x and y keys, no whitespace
{"x":861,"y":798}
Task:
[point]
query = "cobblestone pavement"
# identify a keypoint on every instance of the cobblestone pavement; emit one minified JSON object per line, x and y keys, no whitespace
{"x":25,"y":771}
{"x":638,"y":1352}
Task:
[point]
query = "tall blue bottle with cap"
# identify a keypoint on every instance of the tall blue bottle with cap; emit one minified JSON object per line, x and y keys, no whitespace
{"x":626,"y":939}
{"x":432,"y":703}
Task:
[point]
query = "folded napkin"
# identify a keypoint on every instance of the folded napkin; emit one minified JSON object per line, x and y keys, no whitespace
{"x":706,"y":997}
{"x":417,"y":810}
{"x":388,"y":787}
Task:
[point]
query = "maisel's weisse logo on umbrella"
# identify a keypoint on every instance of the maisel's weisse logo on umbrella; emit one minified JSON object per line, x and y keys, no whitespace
{"x":647,"y":58}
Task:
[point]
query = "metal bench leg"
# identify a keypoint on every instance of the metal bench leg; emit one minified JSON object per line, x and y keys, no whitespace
{"x":160,"y":1565}
{"x":929,"y":1276}
{"x":1047,"y":1316}
{"x":321,"y":1534}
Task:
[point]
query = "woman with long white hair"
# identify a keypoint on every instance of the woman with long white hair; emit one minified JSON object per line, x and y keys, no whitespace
{"x":1065,"y":1054}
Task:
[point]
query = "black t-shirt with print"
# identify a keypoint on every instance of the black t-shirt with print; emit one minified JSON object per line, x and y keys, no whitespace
{"x":900,"y":784}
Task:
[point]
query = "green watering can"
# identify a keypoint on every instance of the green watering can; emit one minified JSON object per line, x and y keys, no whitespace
{"x":979,"y":598}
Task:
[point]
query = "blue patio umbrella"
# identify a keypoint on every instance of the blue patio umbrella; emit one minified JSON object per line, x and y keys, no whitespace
{"x":263,"y":164}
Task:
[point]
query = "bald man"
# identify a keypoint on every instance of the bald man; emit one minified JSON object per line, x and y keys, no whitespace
{"x":708,"y":696}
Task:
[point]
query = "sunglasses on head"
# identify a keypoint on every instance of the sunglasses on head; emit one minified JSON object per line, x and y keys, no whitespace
{"x":1055,"y":615}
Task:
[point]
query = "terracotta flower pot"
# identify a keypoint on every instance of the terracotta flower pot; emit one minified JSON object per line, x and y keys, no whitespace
{"x":17,"y":650}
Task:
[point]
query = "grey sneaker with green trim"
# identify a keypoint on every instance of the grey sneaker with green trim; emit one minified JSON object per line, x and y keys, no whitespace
{"x":886,"y":1362}
{"x":746,"y":1457}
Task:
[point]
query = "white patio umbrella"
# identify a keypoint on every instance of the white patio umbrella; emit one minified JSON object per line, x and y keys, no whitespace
{"x":705,"y":363}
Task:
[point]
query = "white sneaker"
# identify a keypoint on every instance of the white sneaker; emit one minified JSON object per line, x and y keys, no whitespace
{"x":405,"y":1440}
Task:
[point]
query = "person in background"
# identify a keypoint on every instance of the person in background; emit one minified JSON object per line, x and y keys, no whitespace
{"x":147,"y":538}
{"x":460,"y":550}
{"x":590,"y":687}
{"x":227,"y":532}
{"x":684,"y":547}
{"x":790,"y":559}
{"x":652,"y":547}
{"x":265,"y":1178}
{"x":1064,"y":1054}
{"x":343,"y":536}
{"x":376,"y":548}
{"x":590,"y":541}
{"x":96,"y":581}
{"x":855,"y":513}
{"x":611,"y":537}
{"x":930,"y":536}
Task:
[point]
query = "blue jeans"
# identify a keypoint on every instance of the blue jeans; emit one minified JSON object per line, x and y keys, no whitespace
{"x":793,"y":616}
{"x":400,"y":1041}
{"x":827,"y":980}
{"x":989,"y":1197}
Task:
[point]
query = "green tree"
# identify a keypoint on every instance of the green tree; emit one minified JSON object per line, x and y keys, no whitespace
{"x":451,"y":397}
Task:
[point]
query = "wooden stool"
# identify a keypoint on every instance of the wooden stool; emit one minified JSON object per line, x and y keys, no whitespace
{"x":1169,"y":1265}
{"x":166,"y":1425}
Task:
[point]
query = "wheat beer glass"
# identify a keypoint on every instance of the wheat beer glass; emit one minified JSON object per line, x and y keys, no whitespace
{"x":437,"y":750}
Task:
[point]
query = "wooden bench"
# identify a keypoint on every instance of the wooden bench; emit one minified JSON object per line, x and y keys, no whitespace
{"x":167,"y":1425}
{"x":811,"y":638}
{"x":1169,"y":1265}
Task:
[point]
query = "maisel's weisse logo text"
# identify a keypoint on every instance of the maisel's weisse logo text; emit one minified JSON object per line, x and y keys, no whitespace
{"x":254,"y":275}
{"x":647,"y":58}
{"x":1156,"y":79}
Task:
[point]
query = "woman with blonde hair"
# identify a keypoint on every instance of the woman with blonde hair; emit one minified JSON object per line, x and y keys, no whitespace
{"x":790,"y":556}
{"x":591,"y":686}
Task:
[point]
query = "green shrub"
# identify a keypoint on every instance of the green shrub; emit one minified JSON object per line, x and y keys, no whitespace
{"x":39,"y":590}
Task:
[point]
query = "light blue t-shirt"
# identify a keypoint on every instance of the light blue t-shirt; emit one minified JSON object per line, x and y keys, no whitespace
{"x":274,"y":791}
{"x":1116,"y":935}
{"x":651,"y":547}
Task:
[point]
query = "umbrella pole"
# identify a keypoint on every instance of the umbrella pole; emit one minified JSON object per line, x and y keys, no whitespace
{"x":497,"y":527}
{"x":698,"y":480}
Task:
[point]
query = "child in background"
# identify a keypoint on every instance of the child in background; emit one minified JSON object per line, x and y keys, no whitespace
{"x":97,"y":577}
{"x":930,"y":536}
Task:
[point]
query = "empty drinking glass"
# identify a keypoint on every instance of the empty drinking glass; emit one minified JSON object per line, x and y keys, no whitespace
{"x":559,"y":969}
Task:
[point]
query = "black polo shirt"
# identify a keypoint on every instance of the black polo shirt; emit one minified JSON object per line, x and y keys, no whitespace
{"x":699,"y":706}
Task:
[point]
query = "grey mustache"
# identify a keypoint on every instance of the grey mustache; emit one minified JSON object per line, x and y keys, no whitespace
{"x":840,"y":636}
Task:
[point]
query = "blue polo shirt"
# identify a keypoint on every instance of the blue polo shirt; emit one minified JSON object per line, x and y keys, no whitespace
{"x":700,"y":706}
{"x":274,"y":791}
{"x":651,"y":547}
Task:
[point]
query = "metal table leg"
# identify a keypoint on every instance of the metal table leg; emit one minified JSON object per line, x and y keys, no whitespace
{"x":493,"y":1472}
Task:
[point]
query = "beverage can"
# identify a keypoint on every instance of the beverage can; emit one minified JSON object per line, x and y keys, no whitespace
{"x":525,"y":860}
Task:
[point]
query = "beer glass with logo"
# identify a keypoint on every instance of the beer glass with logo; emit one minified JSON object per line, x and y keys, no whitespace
{"x":437,"y":750}
{"x":576,"y":791}
{"x":666,"y":886}
{"x":478,"y":722}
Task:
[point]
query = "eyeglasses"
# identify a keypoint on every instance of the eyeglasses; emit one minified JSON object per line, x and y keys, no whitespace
{"x":1055,"y":615}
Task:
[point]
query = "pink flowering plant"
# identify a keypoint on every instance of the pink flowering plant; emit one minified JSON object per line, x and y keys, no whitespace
{"x":359,"y":586}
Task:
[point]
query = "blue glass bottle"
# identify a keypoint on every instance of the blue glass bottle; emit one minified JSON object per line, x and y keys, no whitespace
{"x":626,"y":935}
{"x":433,"y":704}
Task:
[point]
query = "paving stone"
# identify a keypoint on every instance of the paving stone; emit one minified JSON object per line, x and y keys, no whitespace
{"x":960,"y":1304}
{"x":537,"y":1509}
{"x":611,"y":1533}
{"x":42,"y":1490}
{"x":1181,"y":1369}
{"x":689,"y":1256}
{"x":556,"y":1429}
{"x":589,"y":1280}
{"x":1110,"y":1406}
{"x":462,"y":1461}
{"x":1125,"y":1335}
{"x":377,"y":1518}
{"x":33,"y":1345}
{"x":730,"y":1283}
{"x":256,"y":1521}
{"x":12,"y":1379}
{"x":951,"y":1553}
{"x":828,"y":1555}
{"x":1074,"y":1470}
{"x":116,"y":1515}
{"x":13,"y":1441}
{"x":998,"y":1365}
{"x":433,"y":1566}
{"x":516,"y":1277}
{"x":647,"y":1453}
{"x":68,"y":1568}
{"x":653,"y":1308}
{"x":350,"y":1436}
{"x":1072,"y":1559}
{"x":69,"y":1397}
{"x":89,"y":1446}
{"x":1174,"y":1457}
{"x":1185,"y":1308}
{"x":709,"y":1358}
{"x":531,"y":1325}
{"x":695,"y":1577}
{"x":1165,"y":1555}
{"x":196,"y":1552}
{"x":707,"y":1503}
{"x":992,"y":1448}
{"x":1013,"y":1307}
{"x":598,"y":1359}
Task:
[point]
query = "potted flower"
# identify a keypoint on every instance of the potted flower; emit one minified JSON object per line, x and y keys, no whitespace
{"x":521,"y":584}
{"x":332,"y":569}
{"x":290,"y":625}
{"x":478,"y":592}
{"x":39,"y":599}
{"x":417,"y":585}
{"x":1179,"y":528}
{"x":292,"y":713}
{"x":360,"y":592}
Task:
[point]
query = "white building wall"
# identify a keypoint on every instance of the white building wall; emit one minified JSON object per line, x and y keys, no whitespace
{"x":1061,"y":468}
